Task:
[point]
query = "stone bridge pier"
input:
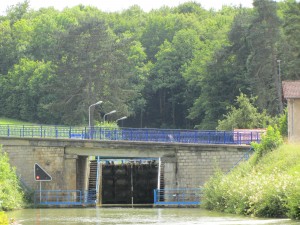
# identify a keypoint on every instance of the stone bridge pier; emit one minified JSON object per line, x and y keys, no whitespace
{"x":67,"y":161}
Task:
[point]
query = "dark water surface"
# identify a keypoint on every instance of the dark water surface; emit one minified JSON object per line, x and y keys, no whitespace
{"x":143,"y":216}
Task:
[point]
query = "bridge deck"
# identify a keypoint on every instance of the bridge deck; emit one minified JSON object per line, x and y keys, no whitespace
{"x":132,"y":134}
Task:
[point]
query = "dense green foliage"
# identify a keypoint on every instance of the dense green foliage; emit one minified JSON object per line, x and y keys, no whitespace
{"x":3,"y":219}
{"x":11,"y":195}
{"x":270,"y":141}
{"x":268,"y":187}
{"x":180,"y":67}
{"x":244,"y":116}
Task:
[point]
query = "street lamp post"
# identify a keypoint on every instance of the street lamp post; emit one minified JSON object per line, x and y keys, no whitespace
{"x":122,"y":118}
{"x":114,"y":111}
{"x":90,"y":125}
{"x":279,"y":88}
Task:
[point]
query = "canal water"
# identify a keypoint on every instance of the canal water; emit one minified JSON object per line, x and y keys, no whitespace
{"x":141,"y":216}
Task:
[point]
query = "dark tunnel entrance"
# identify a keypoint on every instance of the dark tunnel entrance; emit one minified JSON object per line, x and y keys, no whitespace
{"x":128,"y":181}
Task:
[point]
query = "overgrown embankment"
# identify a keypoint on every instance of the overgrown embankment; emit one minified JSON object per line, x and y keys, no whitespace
{"x":268,"y":185}
{"x":11,"y":195}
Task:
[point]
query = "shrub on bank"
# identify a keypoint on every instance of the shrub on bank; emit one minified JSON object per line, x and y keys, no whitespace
{"x":268,"y":187}
{"x":270,"y":141}
{"x":293,"y":200}
{"x":3,"y":219}
{"x":11,"y":195}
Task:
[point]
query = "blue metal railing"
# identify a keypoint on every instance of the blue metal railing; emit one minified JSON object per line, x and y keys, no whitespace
{"x":64,"y":197}
{"x":245,"y":157}
{"x":181,"y":196}
{"x":132,"y":134}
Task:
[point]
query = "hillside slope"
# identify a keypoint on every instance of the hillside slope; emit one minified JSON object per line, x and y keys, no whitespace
{"x":269,"y":187}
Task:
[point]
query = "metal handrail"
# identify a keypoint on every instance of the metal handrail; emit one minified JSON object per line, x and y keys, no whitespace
{"x":179,"y":196}
{"x":64,"y":197}
{"x":131,"y":134}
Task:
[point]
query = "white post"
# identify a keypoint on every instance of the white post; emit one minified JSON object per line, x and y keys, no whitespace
{"x":131,"y":187}
{"x":159,"y":171}
{"x":40,"y":191}
{"x":90,"y":122}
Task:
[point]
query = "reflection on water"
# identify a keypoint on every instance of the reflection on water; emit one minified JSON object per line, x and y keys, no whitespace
{"x":144,"y":216}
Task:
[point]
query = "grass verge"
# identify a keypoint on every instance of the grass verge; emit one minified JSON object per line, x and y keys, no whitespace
{"x":5,"y":121}
{"x":269,"y":187}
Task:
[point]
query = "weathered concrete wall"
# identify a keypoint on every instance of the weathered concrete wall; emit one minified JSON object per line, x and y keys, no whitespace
{"x":294,"y":120}
{"x":82,"y":172}
{"x":169,"y":172}
{"x":49,"y":158}
{"x":196,"y":167}
{"x":186,"y":165}
{"x":24,"y":154}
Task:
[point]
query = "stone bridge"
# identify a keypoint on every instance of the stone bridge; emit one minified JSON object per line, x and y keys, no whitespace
{"x":67,"y":160}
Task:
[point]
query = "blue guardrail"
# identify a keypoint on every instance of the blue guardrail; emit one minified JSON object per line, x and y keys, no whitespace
{"x":64,"y":197}
{"x":131,"y":134}
{"x":182,"y":196}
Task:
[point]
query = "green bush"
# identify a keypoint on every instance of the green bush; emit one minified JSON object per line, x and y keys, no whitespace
{"x":293,"y":200}
{"x":283,"y":124}
{"x":245,"y":115}
{"x":11,"y":195}
{"x":3,"y":219}
{"x":269,"y":187}
{"x":269,"y":141}
{"x":213,"y":198}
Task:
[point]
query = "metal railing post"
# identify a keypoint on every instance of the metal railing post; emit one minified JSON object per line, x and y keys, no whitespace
{"x":70,"y":132}
{"x":155,"y":196}
{"x":56,"y":132}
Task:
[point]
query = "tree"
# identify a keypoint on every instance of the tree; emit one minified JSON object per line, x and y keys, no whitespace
{"x":26,"y":91}
{"x":92,"y":65}
{"x":167,"y":81}
{"x":8,"y":54}
{"x":45,"y":27}
{"x":291,"y":49}
{"x":217,"y":73}
{"x":17,"y":12}
{"x":140,"y":71}
{"x":261,"y":63}
{"x":244,"y":116}
{"x":158,"y":29}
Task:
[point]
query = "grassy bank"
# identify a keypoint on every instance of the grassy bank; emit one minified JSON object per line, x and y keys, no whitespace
{"x":11,"y":195}
{"x":4,"y":120}
{"x":268,"y":187}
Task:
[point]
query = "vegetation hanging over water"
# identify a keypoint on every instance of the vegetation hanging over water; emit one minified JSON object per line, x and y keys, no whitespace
{"x":267,"y":185}
{"x":11,"y":195}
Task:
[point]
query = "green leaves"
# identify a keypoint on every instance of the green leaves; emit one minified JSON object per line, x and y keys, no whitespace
{"x":11,"y":195}
{"x":244,"y":116}
{"x":267,"y":188}
{"x":269,"y":141}
{"x":25,"y":89}
{"x":178,"y":67}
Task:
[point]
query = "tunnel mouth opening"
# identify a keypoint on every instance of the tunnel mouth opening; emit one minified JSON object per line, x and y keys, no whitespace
{"x":128,"y":181}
